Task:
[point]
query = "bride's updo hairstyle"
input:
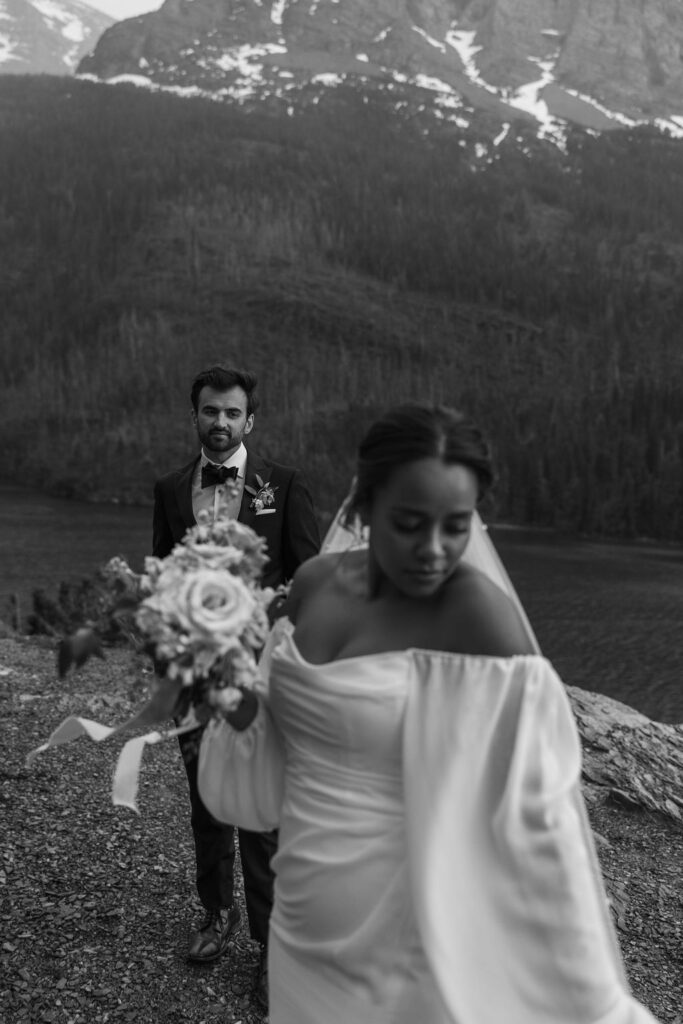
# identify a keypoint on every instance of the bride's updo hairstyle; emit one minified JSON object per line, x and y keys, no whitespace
{"x":415,"y":431}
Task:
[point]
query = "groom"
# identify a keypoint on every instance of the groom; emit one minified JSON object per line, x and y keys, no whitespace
{"x":273,"y":500}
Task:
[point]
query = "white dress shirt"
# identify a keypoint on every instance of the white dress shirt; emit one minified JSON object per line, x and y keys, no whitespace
{"x":220,"y":498}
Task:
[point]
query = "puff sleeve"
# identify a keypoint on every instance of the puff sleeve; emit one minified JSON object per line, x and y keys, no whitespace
{"x":240,"y":775}
{"x":506,"y":885}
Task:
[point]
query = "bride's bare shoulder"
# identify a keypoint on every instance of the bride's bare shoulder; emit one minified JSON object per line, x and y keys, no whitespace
{"x":314,"y":570}
{"x":323,"y":571}
{"x":486,"y":616}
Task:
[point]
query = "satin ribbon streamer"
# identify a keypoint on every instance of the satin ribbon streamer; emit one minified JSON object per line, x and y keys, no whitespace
{"x":127,"y":772}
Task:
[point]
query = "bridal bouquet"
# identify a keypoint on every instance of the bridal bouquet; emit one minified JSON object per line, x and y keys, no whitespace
{"x":199,"y":613}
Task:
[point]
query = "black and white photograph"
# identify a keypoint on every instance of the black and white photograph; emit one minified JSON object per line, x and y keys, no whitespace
{"x":341,"y":511}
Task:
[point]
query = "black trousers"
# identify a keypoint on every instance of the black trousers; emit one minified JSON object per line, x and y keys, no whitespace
{"x":214,"y":845}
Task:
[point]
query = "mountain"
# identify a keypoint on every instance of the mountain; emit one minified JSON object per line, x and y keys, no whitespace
{"x":352,"y":260}
{"x":47,"y":36}
{"x":597,"y":63}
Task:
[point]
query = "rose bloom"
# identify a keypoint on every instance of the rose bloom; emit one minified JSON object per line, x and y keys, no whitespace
{"x":208,"y":605}
{"x":210,"y":555}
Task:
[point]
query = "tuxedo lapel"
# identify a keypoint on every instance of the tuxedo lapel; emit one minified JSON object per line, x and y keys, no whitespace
{"x":183,"y":492}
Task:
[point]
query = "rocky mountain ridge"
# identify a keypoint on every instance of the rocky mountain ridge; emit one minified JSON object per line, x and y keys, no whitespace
{"x":594,"y":62}
{"x":47,"y":36}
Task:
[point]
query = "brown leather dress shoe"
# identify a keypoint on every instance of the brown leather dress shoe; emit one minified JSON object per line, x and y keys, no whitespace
{"x":211,"y":940}
{"x":260,"y":990}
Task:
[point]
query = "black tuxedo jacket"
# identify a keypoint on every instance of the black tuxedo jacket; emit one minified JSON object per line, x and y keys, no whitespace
{"x":291,"y":530}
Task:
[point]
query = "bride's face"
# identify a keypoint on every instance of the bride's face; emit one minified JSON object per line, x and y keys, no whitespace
{"x":420,"y":524}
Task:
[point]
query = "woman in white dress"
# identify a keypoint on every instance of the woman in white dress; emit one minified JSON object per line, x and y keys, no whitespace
{"x":421,"y":761}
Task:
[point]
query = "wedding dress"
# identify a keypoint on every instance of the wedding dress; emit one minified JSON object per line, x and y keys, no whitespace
{"x":434,"y":865}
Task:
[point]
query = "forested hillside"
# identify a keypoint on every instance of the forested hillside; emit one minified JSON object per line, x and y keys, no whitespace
{"x":353,"y":256}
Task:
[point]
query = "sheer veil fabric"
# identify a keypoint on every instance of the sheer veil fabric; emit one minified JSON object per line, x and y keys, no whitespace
{"x":479,"y":553}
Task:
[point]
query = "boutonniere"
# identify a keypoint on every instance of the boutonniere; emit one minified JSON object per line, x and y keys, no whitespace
{"x":264,"y":497}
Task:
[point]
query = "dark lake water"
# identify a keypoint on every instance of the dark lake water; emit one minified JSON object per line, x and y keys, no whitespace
{"x":609,"y":616}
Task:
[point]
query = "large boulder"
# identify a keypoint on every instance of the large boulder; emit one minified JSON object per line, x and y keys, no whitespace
{"x":637,"y":761}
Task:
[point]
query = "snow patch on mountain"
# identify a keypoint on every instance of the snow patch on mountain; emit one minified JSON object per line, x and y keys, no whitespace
{"x":276,"y":11}
{"x":530,"y":98}
{"x":272,"y":47}
{"x":7,"y":48}
{"x":47,"y":36}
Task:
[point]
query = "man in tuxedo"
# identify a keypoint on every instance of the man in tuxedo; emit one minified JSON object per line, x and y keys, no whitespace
{"x":273,"y":500}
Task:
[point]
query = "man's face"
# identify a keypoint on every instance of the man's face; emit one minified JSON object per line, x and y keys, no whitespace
{"x":221,"y":421}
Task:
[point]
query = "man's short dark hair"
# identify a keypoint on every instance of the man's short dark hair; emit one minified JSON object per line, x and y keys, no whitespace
{"x":222,"y":378}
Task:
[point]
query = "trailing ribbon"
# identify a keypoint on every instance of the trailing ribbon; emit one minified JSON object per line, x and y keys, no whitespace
{"x":124,"y":789}
{"x":70,"y":729}
{"x":127,"y":772}
{"x":126,"y":775}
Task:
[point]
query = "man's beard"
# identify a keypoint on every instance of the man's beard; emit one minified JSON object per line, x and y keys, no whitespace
{"x":220,"y":442}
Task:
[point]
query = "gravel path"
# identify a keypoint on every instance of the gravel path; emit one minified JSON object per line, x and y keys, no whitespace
{"x":96,"y":903}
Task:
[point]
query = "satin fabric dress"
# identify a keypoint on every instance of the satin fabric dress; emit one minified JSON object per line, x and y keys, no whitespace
{"x":435,"y":863}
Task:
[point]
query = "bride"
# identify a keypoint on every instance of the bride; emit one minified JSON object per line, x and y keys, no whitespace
{"x":419,"y":756}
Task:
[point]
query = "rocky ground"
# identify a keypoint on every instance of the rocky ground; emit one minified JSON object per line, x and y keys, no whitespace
{"x":641,"y":853}
{"x":96,"y":903}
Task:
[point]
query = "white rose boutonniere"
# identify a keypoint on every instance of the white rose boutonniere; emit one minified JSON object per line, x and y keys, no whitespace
{"x":264,"y":497}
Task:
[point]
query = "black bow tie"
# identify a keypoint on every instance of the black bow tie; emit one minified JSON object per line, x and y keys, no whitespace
{"x":213,"y":474}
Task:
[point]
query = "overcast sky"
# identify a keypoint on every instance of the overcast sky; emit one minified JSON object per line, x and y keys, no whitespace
{"x":121,"y":9}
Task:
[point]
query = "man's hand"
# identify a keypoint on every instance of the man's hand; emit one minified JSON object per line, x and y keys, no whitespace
{"x":245,"y":712}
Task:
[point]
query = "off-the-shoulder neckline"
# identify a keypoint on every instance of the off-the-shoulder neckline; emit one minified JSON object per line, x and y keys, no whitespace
{"x":288,"y":629}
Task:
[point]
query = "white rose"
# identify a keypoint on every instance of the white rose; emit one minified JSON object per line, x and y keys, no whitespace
{"x":212,"y":605}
